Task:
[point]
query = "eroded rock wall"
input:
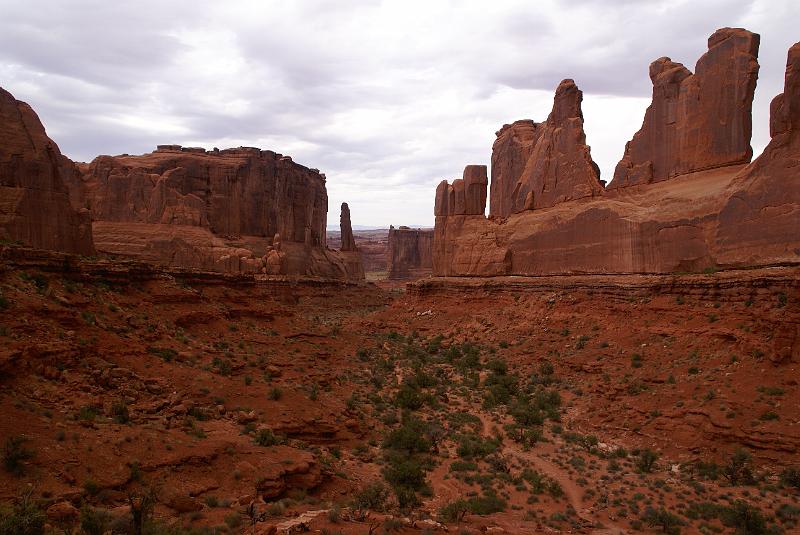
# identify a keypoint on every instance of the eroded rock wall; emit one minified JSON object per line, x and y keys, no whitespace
{"x":410,"y":253}
{"x":234,"y":210}
{"x":710,"y":214}
{"x":696,"y":121}
{"x":35,"y":207}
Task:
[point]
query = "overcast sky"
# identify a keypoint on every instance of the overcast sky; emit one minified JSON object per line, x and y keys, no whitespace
{"x":385,"y":97}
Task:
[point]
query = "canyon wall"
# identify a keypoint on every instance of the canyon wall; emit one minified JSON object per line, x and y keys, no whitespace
{"x":240,"y":210}
{"x":715,"y":211}
{"x":234,"y":210}
{"x":410,"y":253}
{"x":34,"y":202}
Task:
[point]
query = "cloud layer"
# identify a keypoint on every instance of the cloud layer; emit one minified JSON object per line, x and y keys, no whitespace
{"x":386,"y":97}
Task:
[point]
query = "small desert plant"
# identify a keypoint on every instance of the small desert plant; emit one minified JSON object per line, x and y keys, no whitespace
{"x":646,"y":461}
{"x":266,"y":438}
{"x":24,"y":518}
{"x":15,"y":453}
{"x":668,"y":522}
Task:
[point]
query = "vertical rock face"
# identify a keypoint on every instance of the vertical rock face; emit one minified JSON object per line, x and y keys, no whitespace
{"x":410,"y":253}
{"x":696,"y":121}
{"x":510,"y":153}
{"x":348,"y":242}
{"x":34,"y":202}
{"x":761,"y":219}
{"x":465,"y":196}
{"x":540,"y":165}
{"x":560,"y":166}
{"x":232,"y":192}
{"x":714,"y":212}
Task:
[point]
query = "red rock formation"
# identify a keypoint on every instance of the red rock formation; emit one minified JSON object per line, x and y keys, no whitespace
{"x":34,"y":202}
{"x":560,"y":165}
{"x":233,"y":210}
{"x":233,"y":192}
{"x":350,"y":254}
{"x":761,"y":218}
{"x":696,"y":121}
{"x":723,"y":217}
{"x":348,"y":242}
{"x":410,"y":253}
{"x":465,"y":196}
{"x":510,"y":154}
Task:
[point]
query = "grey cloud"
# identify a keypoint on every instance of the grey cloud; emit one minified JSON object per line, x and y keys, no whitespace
{"x":382,"y":96}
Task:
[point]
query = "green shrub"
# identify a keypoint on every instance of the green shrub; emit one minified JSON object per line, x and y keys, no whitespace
{"x":94,"y":521}
{"x":410,"y":437}
{"x":454,"y":511}
{"x":275,"y":393}
{"x":15,"y":453}
{"x":119,"y":409}
{"x":372,"y":497}
{"x":408,"y":397}
{"x":668,"y":522}
{"x":24,"y":518}
{"x":646,"y":460}
{"x":266,"y":438}
{"x":745,"y":519}
{"x":737,"y":470}
{"x":471,"y":446}
{"x":163,"y":352}
{"x":233,"y":520}
{"x":790,"y":477}
{"x":487,"y":504}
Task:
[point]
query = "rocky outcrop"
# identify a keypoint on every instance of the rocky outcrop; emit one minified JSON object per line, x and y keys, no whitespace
{"x":760,"y":220}
{"x":350,"y":254}
{"x":234,"y":210}
{"x":510,"y":154}
{"x":560,"y":165}
{"x":410,"y":253}
{"x":726,"y":216}
{"x":232,"y":192}
{"x":34,"y":202}
{"x":348,"y":242}
{"x":465,"y":196}
{"x":696,"y":121}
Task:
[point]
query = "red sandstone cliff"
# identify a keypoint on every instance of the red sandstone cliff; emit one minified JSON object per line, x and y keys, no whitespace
{"x":761,"y":217}
{"x":233,"y":210}
{"x":34,"y":201}
{"x":729,"y":215}
{"x":410,"y":253}
{"x":696,"y":121}
{"x":560,"y":165}
{"x":510,"y":154}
